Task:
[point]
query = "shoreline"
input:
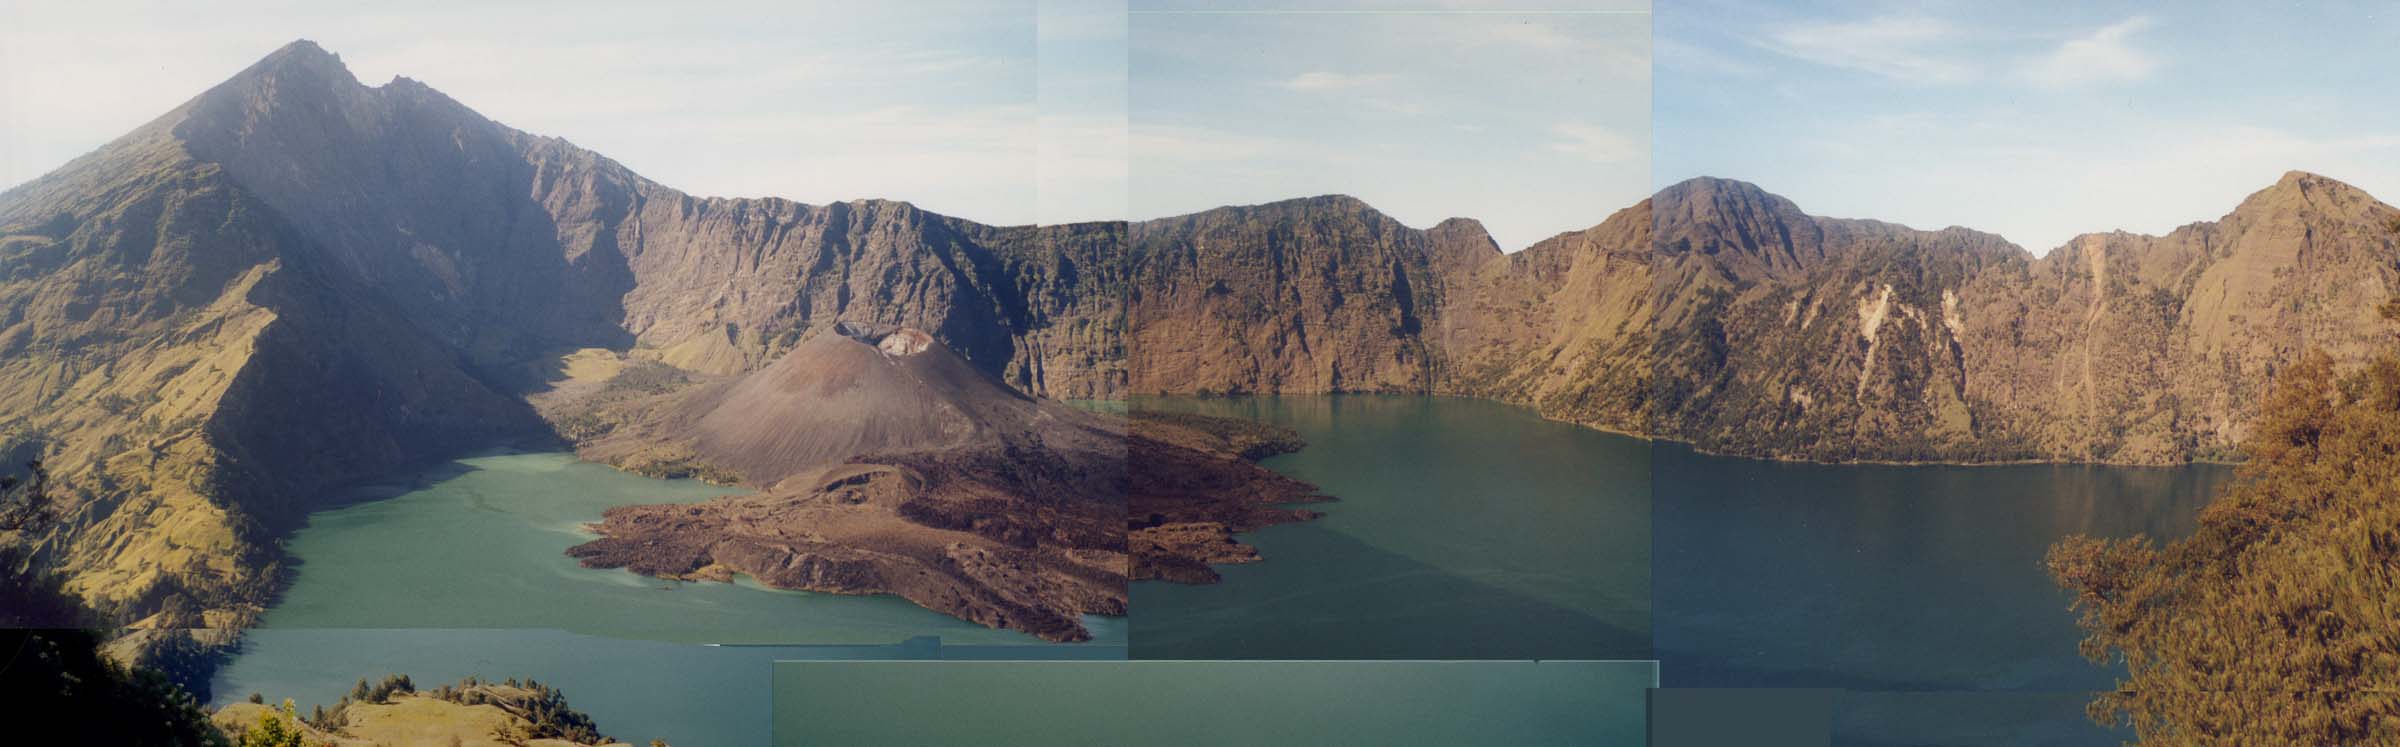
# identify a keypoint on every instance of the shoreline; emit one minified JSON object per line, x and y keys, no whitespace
{"x":1694,"y":446}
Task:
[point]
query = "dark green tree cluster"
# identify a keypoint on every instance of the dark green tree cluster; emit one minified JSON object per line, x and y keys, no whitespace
{"x":25,"y":501}
{"x":275,"y":728}
{"x":544,"y":708}
{"x":2278,"y":620}
{"x":379,"y":693}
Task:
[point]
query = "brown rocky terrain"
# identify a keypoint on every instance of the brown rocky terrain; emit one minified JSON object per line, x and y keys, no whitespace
{"x":1325,"y":294}
{"x":1192,"y":488}
{"x":885,"y":464}
{"x":1839,"y":340}
{"x":1722,"y":315}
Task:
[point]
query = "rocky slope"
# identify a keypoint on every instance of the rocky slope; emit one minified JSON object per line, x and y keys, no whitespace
{"x":1326,"y":294}
{"x":1833,"y":339}
{"x":1720,"y":314}
{"x":885,"y":464}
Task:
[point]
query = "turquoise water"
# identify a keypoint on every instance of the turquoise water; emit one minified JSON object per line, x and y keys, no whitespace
{"x":1465,"y":529}
{"x":481,"y":543}
{"x":1168,"y":703}
{"x":465,"y":572}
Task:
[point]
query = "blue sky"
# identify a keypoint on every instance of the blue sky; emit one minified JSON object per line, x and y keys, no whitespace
{"x":1534,"y":122}
{"x":2038,"y":121}
{"x":994,"y":111}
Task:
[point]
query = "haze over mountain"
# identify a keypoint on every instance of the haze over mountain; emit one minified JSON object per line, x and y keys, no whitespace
{"x":295,"y":281}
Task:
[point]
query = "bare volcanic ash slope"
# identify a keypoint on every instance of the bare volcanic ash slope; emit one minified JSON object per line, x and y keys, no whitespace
{"x":885,"y":463}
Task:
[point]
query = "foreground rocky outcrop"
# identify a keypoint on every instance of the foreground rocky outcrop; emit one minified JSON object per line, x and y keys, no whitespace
{"x":885,"y":464}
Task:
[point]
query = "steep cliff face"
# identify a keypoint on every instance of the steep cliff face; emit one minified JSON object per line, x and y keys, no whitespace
{"x":1326,"y":294}
{"x":1786,"y":334}
{"x":1723,"y":315}
{"x":2124,"y":347}
{"x":1794,"y":336}
{"x":1315,"y":295}
{"x":1564,"y":326}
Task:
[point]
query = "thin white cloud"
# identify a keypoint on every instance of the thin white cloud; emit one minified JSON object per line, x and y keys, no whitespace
{"x":1320,"y":80}
{"x":1184,"y":146}
{"x":1595,"y":143}
{"x":1371,"y":91}
{"x":1690,"y":58}
{"x":2106,"y":55}
{"x":1900,"y":48}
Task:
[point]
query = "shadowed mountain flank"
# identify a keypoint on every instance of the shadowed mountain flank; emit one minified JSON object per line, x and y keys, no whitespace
{"x":511,"y":246}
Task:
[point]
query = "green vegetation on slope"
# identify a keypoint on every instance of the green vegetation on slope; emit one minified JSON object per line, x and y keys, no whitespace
{"x":2278,"y":621}
{"x":53,"y":667}
{"x":392,"y":710}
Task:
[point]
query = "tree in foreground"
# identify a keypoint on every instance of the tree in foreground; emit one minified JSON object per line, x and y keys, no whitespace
{"x":2278,"y":620}
{"x":276,"y":729}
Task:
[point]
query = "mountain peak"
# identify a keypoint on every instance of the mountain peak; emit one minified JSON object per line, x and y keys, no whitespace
{"x":1461,"y":226}
{"x":1712,"y":194}
{"x":2302,"y":190}
{"x":1463,"y":239}
{"x":301,"y":55}
{"x":298,"y":72}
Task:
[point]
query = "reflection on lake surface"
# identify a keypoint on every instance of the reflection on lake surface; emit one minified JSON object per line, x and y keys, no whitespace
{"x":1896,"y":579}
{"x":1209,"y":703}
{"x":1464,"y":529}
